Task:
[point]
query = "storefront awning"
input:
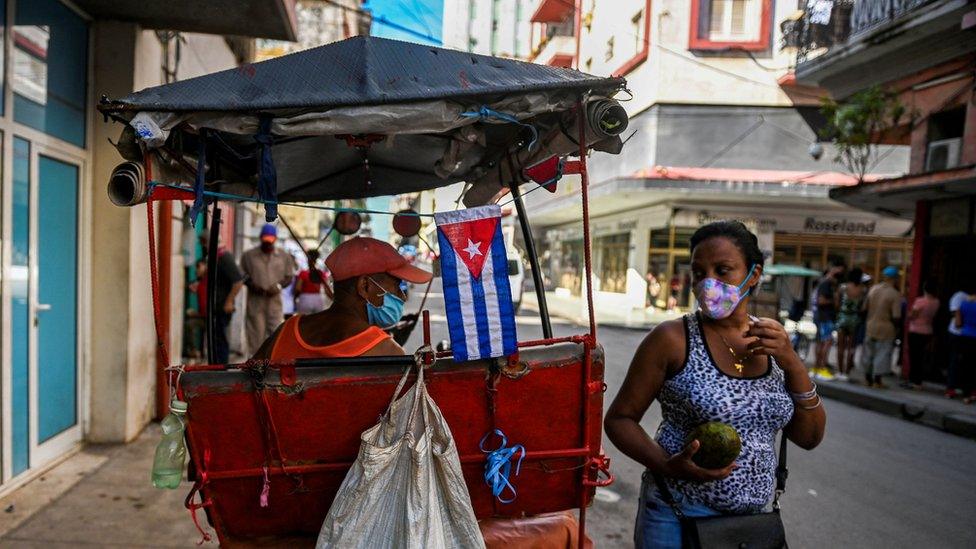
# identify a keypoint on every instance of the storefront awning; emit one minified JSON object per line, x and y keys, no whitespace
{"x":897,"y":196}
{"x":252,"y":18}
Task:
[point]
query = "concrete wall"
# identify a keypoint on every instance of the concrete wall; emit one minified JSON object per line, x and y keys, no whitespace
{"x":123,"y":357}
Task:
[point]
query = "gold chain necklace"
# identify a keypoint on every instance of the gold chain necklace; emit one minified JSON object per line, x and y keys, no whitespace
{"x":737,"y":360}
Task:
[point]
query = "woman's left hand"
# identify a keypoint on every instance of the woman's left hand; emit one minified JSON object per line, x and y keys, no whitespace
{"x":770,"y":339}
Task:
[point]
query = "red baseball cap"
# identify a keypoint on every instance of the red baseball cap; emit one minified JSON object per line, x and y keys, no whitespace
{"x":365,"y":256}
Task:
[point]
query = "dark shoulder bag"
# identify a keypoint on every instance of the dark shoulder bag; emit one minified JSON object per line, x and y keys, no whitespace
{"x":757,"y":531}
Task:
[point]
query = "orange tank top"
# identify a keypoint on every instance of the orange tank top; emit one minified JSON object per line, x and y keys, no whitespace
{"x":291,"y":346}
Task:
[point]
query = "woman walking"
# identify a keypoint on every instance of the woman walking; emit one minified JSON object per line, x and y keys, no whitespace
{"x":849,"y":320}
{"x":716,"y":365}
{"x":309,"y":287}
{"x":920,"y":331}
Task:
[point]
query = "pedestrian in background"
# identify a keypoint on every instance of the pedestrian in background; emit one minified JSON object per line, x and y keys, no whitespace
{"x":955,"y":345}
{"x":920,"y":332}
{"x":848,"y":321}
{"x":312,"y":291}
{"x":883,"y":306}
{"x":653,"y":289}
{"x":267,"y":270}
{"x":965,"y":319}
{"x":722,"y":365}
{"x":825,"y":318}
{"x":227,"y":283}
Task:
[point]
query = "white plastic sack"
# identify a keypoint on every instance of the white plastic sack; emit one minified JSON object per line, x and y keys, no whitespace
{"x":405,"y":489}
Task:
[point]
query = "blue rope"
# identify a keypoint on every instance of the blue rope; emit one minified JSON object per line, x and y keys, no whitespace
{"x":198,"y":189}
{"x":267,"y":176}
{"x":499,"y":465}
{"x":485,"y":113}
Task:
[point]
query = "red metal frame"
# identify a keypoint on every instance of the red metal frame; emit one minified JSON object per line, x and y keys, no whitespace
{"x":595,"y":464}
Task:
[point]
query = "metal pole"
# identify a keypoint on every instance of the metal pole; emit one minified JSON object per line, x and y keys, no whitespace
{"x":212,"y":283}
{"x":540,"y":290}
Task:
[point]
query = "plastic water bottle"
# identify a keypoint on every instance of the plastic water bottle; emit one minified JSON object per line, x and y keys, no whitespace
{"x":167,"y":471}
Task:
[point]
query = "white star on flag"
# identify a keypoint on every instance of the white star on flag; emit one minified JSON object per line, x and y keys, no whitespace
{"x":472,"y":249}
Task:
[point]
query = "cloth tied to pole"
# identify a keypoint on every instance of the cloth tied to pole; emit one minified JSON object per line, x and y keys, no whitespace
{"x":199,"y":200}
{"x":267,"y":176}
{"x":499,"y":465}
{"x":486,"y":113}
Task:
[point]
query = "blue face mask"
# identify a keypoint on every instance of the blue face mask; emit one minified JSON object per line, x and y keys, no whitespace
{"x":388,"y":313}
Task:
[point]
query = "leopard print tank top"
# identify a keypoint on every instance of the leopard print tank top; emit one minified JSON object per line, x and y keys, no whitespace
{"x":758,"y":407}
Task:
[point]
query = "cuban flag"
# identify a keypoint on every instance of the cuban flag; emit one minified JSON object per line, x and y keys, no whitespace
{"x":474,"y":271}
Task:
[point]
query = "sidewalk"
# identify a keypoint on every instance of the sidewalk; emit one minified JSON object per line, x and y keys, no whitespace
{"x":573,"y":308}
{"x":99,"y":497}
{"x":927,"y":407}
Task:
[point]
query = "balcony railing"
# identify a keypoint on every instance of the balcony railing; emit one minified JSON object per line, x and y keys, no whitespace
{"x":820,"y":28}
{"x":869,"y":14}
{"x":827,"y":24}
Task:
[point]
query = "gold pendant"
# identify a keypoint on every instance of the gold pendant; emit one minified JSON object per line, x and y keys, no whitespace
{"x":738,"y":367}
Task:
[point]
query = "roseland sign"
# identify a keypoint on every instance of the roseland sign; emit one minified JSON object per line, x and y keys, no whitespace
{"x":842,"y":226}
{"x":798,"y":222}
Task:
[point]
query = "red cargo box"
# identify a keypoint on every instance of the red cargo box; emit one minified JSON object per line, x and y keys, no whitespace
{"x":305,"y":429}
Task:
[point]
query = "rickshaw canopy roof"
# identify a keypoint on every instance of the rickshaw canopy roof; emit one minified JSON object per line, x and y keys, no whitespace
{"x":367,"y":116}
{"x":362,"y":70}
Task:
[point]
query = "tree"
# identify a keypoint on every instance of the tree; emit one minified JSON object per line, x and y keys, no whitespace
{"x":856,"y":125}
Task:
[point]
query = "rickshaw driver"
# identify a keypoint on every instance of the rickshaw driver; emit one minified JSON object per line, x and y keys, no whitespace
{"x":369,"y":276}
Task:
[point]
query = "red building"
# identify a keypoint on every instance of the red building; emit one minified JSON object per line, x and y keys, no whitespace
{"x":925,"y":52}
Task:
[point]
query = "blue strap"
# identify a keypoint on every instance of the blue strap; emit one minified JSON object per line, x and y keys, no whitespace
{"x":499,"y":465}
{"x":485,"y":113}
{"x":267,"y":176}
{"x":199,"y":201}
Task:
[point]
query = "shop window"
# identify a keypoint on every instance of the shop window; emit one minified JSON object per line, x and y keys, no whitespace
{"x":784,"y":254}
{"x":812,"y":257}
{"x":682,"y":239}
{"x":50,"y":57}
{"x":567,"y":266}
{"x":730,"y":24}
{"x":658,"y":279}
{"x":661,"y":238}
{"x":613,"y":252}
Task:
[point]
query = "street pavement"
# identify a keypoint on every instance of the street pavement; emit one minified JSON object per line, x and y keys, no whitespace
{"x":875,"y":481}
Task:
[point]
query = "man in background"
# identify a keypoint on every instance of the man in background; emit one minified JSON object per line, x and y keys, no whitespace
{"x":883,"y":306}
{"x":825,"y":317}
{"x":267,"y":269}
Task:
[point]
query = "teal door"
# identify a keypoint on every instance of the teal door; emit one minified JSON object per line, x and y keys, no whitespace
{"x":44,"y":306}
{"x":57,"y":297}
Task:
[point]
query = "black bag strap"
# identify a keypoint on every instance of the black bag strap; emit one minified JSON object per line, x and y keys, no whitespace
{"x":782,"y":472}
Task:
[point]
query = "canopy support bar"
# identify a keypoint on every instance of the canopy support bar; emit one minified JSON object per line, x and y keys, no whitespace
{"x":540,"y":289}
{"x":212,"y":246}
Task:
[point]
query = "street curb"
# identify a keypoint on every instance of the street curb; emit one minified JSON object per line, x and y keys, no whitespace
{"x":891,"y":405}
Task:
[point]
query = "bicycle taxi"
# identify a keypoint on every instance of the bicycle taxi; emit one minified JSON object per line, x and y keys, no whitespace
{"x":360,"y":118}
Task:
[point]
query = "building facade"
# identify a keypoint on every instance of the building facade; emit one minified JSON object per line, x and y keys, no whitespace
{"x":719,"y":129}
{"x":77,"y":348}
{"x":491,"y":27}
{"x":923,"y":51}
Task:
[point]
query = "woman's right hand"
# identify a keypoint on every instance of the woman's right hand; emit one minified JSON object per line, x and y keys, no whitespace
{"x":680,"y":466}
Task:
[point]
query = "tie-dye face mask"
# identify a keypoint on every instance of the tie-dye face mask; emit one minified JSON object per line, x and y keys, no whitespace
{"x":718,"y":299}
